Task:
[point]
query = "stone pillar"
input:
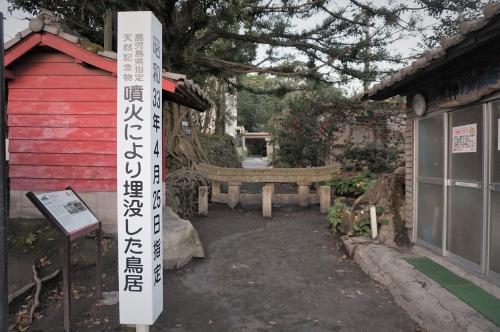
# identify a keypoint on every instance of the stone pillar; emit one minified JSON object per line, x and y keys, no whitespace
{"x":267,"y":201}
{"x":233,"y":194}
{"x":304,"y":193}
{"x":215,"y":188}
{"x":203,"y":201}
{"x":269,"y":149}
{"x":324,"y":199}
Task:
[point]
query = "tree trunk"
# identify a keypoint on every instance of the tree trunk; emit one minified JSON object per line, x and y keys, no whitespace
{"x":220,"y":110}
{"x":108,"y":30}
{"x":206,"y":121}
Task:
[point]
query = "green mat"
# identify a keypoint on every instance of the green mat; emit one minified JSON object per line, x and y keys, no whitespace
{"x":487,"y":304}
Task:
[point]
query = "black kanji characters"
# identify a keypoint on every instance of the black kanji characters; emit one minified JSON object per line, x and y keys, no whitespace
{"x":133,"y":93}
{"x":133,"y":283}
{"x":133,"y":113}
{"x":133,"y":264}
{"x":157,"y":249}
{"x":156,"y":224}
{"x":157,"y":273}
{"x":133,"y":208}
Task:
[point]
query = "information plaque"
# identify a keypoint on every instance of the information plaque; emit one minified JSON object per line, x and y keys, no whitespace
{"x":69,"y":214}
{"x":68,"y":211}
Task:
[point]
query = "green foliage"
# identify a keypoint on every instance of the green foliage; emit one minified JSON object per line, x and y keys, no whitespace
{"x":449,"y":15}
{"x":28,"y":240}
{"x":254,"y":109}
{"x":363,"y":227}
{"x":220,"y":150}
{"x":221,"y":38}
{"x":335,"y":213}
{"x":384,"y":222}
{"x":308,"y":125}
{"x":354,"y":185}
{"x":31,"y":238}
{"x":376,"y":158}
{"x":379,"y":210}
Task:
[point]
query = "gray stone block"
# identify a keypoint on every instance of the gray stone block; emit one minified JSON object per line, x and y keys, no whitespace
{"x":180,"y":241}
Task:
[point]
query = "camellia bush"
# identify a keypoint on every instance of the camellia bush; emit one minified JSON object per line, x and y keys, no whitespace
{"x":310,"y":121}
{"x":314,"y":124}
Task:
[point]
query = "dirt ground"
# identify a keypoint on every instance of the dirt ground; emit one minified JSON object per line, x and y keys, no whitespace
{"x":283,"y":274}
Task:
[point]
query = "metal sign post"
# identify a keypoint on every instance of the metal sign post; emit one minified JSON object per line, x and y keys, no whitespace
{"x":4,"y":309}
{"x":139,"y":160}
{"x":69,"y":214}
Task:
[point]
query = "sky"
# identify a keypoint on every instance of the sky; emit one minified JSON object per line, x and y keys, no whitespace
{"x":17,"y":21}
{"x":406,"y":47}
{"x":14,"y":22}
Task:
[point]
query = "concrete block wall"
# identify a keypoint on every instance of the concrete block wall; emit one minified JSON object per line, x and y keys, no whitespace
{"x":103,"y":204}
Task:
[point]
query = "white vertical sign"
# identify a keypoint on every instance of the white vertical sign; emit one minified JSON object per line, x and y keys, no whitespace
{"x":139,"y":155}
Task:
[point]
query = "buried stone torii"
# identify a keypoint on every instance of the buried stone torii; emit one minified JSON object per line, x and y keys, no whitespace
{"x":234,"y":177}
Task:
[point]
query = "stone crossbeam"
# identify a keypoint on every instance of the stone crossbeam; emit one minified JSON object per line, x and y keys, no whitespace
{"x":267,"y":175}
{"x":234,"y":177}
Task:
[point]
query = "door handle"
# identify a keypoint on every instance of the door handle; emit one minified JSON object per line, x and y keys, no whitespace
{"x":495,"y":186}
{"x":465,"y":184}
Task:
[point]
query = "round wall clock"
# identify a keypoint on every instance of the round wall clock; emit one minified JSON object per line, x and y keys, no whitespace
{"x":419,"y":104}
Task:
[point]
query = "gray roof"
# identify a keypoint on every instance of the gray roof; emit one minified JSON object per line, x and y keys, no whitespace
{"x":430,"y":57}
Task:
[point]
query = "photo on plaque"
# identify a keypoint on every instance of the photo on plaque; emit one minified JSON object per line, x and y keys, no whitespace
{"x":67,"y":208}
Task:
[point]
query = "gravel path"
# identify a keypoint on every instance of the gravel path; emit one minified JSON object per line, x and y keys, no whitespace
{"x":286,"y":274}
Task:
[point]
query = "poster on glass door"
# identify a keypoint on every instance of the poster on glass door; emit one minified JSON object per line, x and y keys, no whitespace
{"x":464,"y":138}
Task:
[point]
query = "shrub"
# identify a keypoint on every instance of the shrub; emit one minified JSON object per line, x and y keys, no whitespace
{"x":220,"y":150}
{"x":354,"y":185}
{"x":363,"y":227}
{"x":335,"y":213}
{"x":376,"y":158}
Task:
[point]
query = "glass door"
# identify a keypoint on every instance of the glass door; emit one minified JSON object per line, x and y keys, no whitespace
{"x":494,"y":192}
{"x":430,"y":182}
{"x":465,"y":187}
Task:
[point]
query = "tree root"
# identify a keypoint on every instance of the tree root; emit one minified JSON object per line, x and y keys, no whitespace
{"x":38,"y":283}
{"x":182,"y":191}
{"x":27,"y":287}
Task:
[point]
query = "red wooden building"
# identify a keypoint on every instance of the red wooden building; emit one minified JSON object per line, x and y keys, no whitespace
{"x":61,"y":109}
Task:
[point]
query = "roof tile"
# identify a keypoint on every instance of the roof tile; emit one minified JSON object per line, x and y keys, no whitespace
{"x":11,"y":43}
{"x":491,"y":10}
{"x":52,"y":29}
{"x":72,"y":38}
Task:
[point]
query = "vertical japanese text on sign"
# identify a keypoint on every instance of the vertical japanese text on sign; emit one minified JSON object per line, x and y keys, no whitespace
{"x":139,"y":158}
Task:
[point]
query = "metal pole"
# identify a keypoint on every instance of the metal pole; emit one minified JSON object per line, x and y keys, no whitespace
{"x":66,"y":254}
{"x":4,"y":309}
{"x":98,"y":289}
